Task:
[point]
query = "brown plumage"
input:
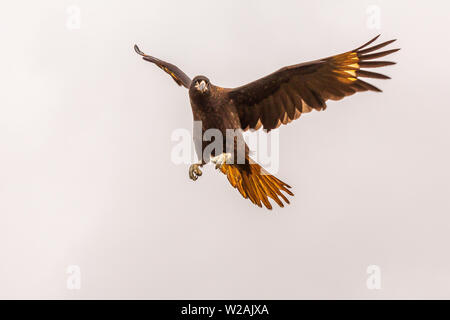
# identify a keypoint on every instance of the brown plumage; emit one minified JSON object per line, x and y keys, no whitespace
{"x":276,"y":99}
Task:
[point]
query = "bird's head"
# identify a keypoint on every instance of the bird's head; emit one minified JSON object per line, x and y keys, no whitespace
{"x":201,"y":84}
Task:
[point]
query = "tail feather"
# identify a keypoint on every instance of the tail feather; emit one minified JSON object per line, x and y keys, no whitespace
{"x":256,"y":184}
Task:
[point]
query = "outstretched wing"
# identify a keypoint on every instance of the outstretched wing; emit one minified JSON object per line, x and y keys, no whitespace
{"x":179,"y":76}
{"x":285,"y":94}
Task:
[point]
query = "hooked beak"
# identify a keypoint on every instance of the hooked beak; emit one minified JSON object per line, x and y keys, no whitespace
{"x":201,"y":86}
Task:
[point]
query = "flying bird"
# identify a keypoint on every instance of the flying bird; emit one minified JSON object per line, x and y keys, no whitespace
{"x":267,"y":103}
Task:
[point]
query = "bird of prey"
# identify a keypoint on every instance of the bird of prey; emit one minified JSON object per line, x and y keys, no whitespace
{"x":275,"y":99}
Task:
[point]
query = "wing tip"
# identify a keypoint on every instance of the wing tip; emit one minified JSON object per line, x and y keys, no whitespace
{"x":368,"y":43}
{"x":137,"y":50}
{"x":363,"y":50}
{"x":376,"y":37}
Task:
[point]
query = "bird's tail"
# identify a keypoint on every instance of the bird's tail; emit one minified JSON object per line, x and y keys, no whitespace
{"x":256,"y":184}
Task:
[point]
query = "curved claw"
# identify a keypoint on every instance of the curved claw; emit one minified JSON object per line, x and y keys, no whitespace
{"x":194,"y":171}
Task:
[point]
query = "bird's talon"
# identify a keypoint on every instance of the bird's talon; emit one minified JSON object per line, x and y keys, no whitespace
{"x":221,"y":159}
{"x":194,"y":171}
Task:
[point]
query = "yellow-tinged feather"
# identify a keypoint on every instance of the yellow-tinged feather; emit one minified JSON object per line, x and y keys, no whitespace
{"x":351,"y":72}
{"x":255,"y":184}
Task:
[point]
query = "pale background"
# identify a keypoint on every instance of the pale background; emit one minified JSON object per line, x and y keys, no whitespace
{"x":86,"y":177}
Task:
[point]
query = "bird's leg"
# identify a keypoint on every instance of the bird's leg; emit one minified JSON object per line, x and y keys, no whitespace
{"x":220,"y":159}
{"x":194,"y":171}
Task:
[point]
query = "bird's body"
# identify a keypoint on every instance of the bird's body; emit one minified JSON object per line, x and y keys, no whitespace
{"x":276,"y":99}
{"x":215,"y":112}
